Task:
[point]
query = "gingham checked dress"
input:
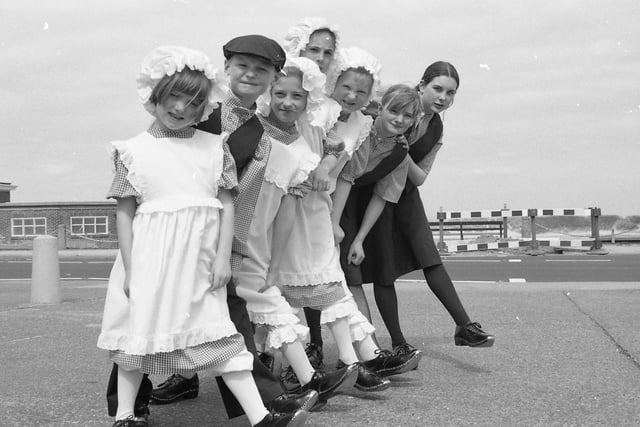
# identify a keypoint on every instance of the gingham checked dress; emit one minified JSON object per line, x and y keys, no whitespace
{"x":310,"y":274}
{"x":172,"y":322}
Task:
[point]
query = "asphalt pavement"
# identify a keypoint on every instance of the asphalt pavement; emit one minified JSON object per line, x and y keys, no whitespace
{"x":566,"y":354}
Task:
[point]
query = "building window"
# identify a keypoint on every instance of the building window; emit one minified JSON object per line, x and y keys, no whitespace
{"x":27,"y":227}
{"x":89,"y":225}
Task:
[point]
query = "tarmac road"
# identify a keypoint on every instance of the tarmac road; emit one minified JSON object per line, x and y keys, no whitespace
{"x":622,"y":264}
{"x":566,"y":354}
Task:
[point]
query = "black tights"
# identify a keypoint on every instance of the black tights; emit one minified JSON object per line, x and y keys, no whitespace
{"x":441,"y":285}
{"x":313,"y":322}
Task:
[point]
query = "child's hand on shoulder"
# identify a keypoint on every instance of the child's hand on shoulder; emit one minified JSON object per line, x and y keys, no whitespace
{"x":220,"y":273}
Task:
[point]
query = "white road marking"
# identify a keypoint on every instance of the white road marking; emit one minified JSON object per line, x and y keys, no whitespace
{"x":577,"y":260}
{"x":517,"y":280}
{"x":474,"y":260}
{"x":515,"y":260}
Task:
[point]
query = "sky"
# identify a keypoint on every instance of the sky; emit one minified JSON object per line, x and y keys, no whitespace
{"x":547,"y":114}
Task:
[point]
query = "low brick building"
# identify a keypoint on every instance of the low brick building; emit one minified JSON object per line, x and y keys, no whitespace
{"x":77,"y":225}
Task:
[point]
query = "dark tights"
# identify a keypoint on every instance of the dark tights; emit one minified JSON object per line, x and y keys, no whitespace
{"x":441,"y":285}
{"x":313,"y":322}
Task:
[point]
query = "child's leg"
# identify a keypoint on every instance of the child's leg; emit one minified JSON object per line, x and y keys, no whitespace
{"x":128,"y":383}
{"x":244,"y":389}
{"x":367,"y":348}
{"x":313,"y":322}
{"x":442,"y":287}
{"x":342,"y":334}
{"x":295,"y":354}
{"x":387,"y":302}
{"x":361,"y":300}
{"x":141,"y":407}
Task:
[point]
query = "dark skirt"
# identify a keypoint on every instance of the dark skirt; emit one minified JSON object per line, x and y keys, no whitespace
{"x":400,"y":241}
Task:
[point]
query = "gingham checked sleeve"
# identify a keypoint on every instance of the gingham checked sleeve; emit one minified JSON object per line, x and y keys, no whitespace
{"x":120,"y":186}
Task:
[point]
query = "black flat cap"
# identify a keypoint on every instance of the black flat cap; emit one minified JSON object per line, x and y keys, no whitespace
{"x":256,"y":45}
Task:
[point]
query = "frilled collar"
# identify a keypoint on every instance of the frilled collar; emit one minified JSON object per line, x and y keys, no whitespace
{"x":158,"y":131}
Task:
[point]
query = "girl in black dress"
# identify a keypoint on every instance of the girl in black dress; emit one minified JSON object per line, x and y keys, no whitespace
{"x":401,"y":240}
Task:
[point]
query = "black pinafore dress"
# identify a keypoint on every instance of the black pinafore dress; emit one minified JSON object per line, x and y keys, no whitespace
{"x":401,"y":240}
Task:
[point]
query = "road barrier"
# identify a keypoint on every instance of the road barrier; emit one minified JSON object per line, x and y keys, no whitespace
{"x":593,"y":243}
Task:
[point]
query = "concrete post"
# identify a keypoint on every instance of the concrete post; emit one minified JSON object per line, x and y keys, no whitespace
{"x":62,"y":236}
{"x":505,"y":224}
{"x":442,"y":246}
{"x":532,"y":215}
{"x":595,"y":227}
{"x":45,"y":271}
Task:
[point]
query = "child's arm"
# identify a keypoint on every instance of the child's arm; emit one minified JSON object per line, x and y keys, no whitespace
{"x":374,"y":209}
{"x":221,"y":271}
{"x":339,"y":196}
{"x":282,"y":230}
{"x":125,"y":212}
{"x":415,"y":174}
{"x":320,"y":180}
{"x":418,"y":172}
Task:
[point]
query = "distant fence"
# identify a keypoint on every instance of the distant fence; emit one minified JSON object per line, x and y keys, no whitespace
{"x":497,"y":220}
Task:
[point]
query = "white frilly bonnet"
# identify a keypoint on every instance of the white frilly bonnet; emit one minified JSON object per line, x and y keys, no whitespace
{"x":320,"y":111}
{"x":298,"y":36}
{"x":167,"y":60}
{"x":354,"y":57}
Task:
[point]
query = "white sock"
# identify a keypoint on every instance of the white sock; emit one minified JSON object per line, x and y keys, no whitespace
{"x":128,"y":384}
{"x":342,"y":334}
{"x":244,"y":388}
{"x":367,"y":348}
{"x":295,"y":354}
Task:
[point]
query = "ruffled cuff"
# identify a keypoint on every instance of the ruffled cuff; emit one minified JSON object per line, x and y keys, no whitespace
{"x":273,"y":338}
{"x":359,"y":326}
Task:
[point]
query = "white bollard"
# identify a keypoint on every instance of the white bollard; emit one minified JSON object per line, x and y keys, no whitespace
{"x":45,"y":271}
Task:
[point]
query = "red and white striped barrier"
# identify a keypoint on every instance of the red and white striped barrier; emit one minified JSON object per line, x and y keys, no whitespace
{"x":593,"y":243}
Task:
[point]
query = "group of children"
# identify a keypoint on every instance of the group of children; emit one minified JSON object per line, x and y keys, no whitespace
{"x":239,"y":206}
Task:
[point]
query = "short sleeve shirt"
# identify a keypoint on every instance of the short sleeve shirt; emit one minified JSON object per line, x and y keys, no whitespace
{"x":369,"y":155}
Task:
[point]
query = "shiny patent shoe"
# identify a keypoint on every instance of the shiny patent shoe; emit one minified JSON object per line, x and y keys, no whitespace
{"x":368,"y":380}
{"x":127,"y":422}
{"x":292,"y":419}
{"x":472,"y":335}
{"x":289,"y":402}
{"x":176,"y":387}
{"x":328,"y":384}
{"x":389,"y":363}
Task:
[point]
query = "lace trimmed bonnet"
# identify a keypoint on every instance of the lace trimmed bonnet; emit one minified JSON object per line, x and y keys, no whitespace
{"x":354,"y":57}
{"x":298,"y":36}
{"x":167,"y":60}
{"x":313,"y":81}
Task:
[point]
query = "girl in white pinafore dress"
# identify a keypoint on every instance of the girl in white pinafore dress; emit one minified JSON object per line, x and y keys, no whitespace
{"x":309,"y":272}
{"x":166,"y":309}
